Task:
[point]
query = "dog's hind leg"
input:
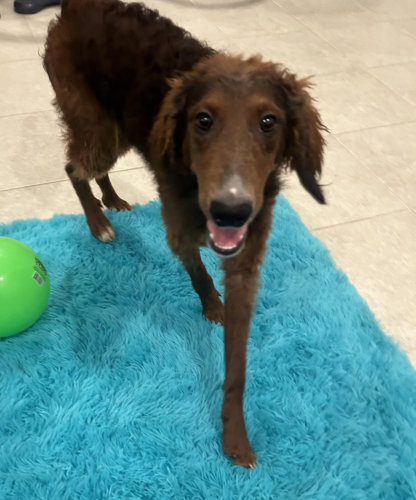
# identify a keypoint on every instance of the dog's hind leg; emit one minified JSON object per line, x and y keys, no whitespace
{"x":93,"y":140}
{"x":99,"y":225}
{"x":110,"y":197}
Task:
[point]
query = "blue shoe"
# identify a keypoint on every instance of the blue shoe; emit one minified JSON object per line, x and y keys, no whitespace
{"x":32,"y":6}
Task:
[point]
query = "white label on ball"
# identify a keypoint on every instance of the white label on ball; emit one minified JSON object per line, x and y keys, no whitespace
{"x":38,"y":278}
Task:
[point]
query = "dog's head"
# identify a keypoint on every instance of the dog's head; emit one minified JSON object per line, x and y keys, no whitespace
{"x":233,"y":123}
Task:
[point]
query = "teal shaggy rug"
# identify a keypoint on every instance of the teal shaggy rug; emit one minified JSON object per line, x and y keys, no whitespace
{"x":115,"y":393}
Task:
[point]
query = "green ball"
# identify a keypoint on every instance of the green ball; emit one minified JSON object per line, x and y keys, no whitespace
{"x":24,"y":287}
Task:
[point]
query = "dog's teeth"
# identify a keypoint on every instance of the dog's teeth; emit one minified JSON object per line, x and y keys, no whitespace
{"x":226,"y":248}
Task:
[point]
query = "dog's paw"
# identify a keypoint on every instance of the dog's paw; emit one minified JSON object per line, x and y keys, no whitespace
{"x":116,"y":203}
{"x":241,"y":455}
{"x":101,"y":228}
{"x":107,"y":234}
{"x":214,"y":311}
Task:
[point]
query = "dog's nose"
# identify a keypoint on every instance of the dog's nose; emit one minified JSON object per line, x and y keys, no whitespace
{"x":234,"y":211}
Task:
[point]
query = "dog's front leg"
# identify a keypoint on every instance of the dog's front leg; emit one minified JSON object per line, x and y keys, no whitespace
{"x":185,"y":230}
{"x":241,"y":284}
{"x":212,"y":306}
{"x":240,"y":288}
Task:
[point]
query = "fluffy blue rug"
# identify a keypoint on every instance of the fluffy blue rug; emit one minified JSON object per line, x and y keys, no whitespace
{"x":115,"y":393}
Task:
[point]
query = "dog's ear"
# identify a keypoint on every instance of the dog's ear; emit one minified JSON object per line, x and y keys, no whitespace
{"x":168,"y":131}
{"x":305,"y":143}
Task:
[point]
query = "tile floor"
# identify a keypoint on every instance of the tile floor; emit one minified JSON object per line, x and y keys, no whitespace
{"x":363,"y":56}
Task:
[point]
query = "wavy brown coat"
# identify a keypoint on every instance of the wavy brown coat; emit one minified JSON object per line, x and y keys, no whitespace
{"x":216,"y":131}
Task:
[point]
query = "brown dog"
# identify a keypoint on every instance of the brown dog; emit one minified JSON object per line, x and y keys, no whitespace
{"x":215,"y":130}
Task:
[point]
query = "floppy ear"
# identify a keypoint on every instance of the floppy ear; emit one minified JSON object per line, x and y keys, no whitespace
{"x":168,"y":131}
{"x":305,"y":143}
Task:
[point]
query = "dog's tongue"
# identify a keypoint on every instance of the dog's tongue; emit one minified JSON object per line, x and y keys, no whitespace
{"x":226,"y":237}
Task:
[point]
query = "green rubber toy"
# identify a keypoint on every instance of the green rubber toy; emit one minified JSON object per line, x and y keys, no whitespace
{"x":24,"y":287}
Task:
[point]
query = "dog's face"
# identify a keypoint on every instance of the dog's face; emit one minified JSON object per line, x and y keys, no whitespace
{"x":234,"y":136}
{"x":234,"y":123}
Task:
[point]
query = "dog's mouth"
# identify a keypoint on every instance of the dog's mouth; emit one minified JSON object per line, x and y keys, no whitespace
{"x":226,"y":241}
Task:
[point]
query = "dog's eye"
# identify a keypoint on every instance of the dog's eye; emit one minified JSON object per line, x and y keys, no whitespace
{"x":268,"y":123}
{"x":203,"y":122}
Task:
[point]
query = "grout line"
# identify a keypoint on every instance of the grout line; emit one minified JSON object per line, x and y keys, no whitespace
{"x":375,"y":127}
{"x":362,"y":219}
{"x":318,"y":33}
{"x":262,"y":34}
{"x":64,"y":180}
{"x":28,"y":113}
{"x":313,"y":10}
{"x":397,"y":94}
{"x":24,"y":60}
{"x":386,"y":125}
{"x":17,"y":188}
{"x":392,"y":64}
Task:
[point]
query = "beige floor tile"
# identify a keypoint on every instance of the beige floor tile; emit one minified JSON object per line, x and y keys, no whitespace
{"x":356,"y":100}
{"x":31,"y":150}
{"x":379,"y":257}
{"x":202,"y":29}
{"x":129,"y":161}
{"x":299,"y":7}
{"x":352,"y":191}
{"x":220,"y":4}
{"x":6,"y":10}
{"x":412,"y":357}
{"x":188,"y":17}
{"x":407,"y":26}
{"x":43,"y":201}
{"x":16,"y":40}
{"x":229,"y":45}
{"x":24,"y":88}
{"x":253,"y":19}
{"x":390,"y":152}
{"x":327,"y":19}
{"x":376,"y":45}
{"x":302,"y":52}
{"x":39,"y":23}
{"x":401,"y":78}
{"x":391,"y":9}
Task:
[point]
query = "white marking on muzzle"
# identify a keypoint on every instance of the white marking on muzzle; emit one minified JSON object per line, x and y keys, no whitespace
{"x":234,"y":186}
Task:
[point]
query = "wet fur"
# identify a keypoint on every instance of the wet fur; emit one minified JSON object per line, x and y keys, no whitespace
{"x":126,"y":77}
